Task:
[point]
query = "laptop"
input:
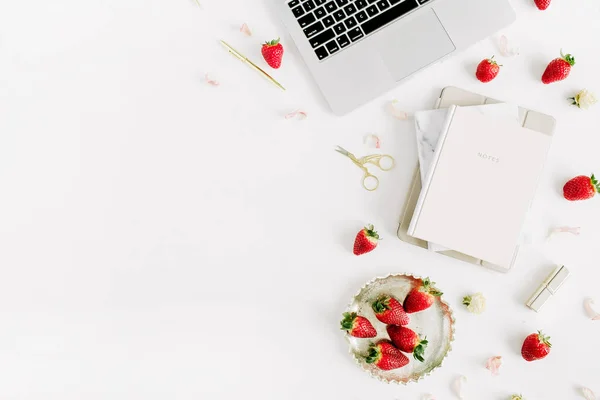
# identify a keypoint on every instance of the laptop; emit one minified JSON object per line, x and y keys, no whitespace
{"x":358,"y":49}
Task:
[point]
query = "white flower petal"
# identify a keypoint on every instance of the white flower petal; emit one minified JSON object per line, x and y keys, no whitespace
{"x":494,"y":364}
{"x":396,"y":113}
{"x":505,"y":50}
{"x":585,"y":99}
{"x":588,"y":394}
{"x":211,"y":81}
{"x":245,"y":30}
{"x":459,"y":386}
{"x":297,"y":113}
{"x":475,"y":303}
{"x":573,"y":230}
{"x":593,"y":314}
{"x":372,"y":140}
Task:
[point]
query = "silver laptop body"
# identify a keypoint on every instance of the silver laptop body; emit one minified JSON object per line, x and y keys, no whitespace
{"x":358,"y":49}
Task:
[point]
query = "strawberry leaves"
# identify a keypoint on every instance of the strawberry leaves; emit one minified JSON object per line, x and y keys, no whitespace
{"x":370,"y":231}
{"x":419,"y":351}
{"x":373,"y":355}
{"x":595,"y":183}
{"x":273,"y":42}
{"x":427,"y":288}
{"x":381,"y":304}
{"x":568,"y":58}
{"x":544,"y":339}
{"x":348,"y":322}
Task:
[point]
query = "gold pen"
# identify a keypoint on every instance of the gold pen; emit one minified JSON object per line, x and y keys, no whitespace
{"x":243,"y":58}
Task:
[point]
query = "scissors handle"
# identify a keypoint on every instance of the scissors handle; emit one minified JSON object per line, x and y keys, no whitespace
{"x":370,"y":182}
{"x":387,"y":164}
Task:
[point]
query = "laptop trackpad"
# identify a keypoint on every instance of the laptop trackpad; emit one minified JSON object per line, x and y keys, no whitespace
{"x":406,"y":47}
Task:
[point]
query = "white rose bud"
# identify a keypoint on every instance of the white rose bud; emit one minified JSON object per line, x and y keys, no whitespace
{"x":475,"y":303}
{"x":584,"y":99}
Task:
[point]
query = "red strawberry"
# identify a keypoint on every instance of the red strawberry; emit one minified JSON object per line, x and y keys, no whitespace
{"x":389,"y":311}
{"x":273,"y":53}
{"x":542,"y":4}
{"x":558,"y":69}
{"x":407,"y":340}
{"x":487,"y":70}
{"x":536,"y":346}
{"x":385,"y":356}
{"x":357,"y":326}
{"x":421,"y":298}
{"x":581,"y":188}
{"x":366,"y":240}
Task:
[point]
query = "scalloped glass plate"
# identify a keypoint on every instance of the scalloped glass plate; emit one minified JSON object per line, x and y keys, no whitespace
{"x":436,"y":323}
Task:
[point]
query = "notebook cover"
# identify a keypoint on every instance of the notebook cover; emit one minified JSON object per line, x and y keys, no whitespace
{"x":451,"y":95}
{"x":482,"y":180}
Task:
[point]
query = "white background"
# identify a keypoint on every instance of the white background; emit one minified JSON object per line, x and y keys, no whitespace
{"x":161,"y":238}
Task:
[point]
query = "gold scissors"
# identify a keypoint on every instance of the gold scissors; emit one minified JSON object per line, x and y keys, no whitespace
{"x":384,"y":162}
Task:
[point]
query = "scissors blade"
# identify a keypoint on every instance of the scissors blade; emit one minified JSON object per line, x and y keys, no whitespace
{"x":343,"y":151}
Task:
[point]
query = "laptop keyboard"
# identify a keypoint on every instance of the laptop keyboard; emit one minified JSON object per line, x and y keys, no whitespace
{"x":332,"y":25}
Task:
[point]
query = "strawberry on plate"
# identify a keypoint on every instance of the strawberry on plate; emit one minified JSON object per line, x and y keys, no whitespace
{"x":408,"y":341}
{"x":366,"y":240}
{"x":558,"y":69}
{"x":272,"y":52}
{"x":357,"y":326}
{"x":389,"y":311}
{"x":487,"y":70}
{"x":385,"y":356}
{"x":536,"y":346}
{"x":422,"y":297}
{"x":581,"y":188}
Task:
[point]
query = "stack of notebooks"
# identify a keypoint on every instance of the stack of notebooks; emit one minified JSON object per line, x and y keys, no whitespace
{"x":479,"y":166}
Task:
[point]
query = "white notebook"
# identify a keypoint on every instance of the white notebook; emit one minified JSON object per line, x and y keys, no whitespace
{"x":429,"y":125}
{"x":480,"y":184}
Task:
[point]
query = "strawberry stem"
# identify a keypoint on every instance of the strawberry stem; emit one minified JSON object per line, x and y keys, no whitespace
{"x":419,"y":350}
{"x":595,"y":183}
{"x":371,"y":231}
{"x":273,"y":42}
{"x":381,"y":304}
{"x":544,"y":339}
{"x":374,"y":354}
{"x":348,"y":322}
{"x":568,"y":58}
{"x":428,"y":288}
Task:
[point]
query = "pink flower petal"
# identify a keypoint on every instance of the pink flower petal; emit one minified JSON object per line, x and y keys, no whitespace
{"x":428,"y":396}
{"x":372,"y":140}
{"x":493,"y":364}
{"x":505,"y":50}
{"x":594,"y":315}
{"x":297,"y":113}
{"x":396,"y":113}
{"x":573,"y":230}
{"x":588,"y":394}
{"x":211,"y":81}
{"x":459,"y":386}
{"x":245,"y":30}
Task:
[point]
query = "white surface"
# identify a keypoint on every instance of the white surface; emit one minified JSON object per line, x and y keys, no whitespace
{"x":162,"y":238}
